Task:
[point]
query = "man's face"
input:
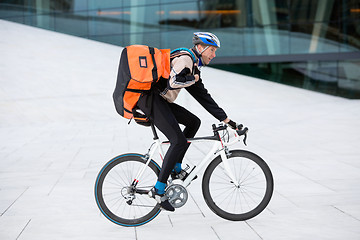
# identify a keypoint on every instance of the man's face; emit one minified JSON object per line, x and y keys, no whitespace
{"x":208,"y":54}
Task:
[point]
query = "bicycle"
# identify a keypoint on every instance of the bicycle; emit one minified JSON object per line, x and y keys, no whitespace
{"x":237,"y":185}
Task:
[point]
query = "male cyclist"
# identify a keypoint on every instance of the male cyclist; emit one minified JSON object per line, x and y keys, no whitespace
{"x":167,"y":115}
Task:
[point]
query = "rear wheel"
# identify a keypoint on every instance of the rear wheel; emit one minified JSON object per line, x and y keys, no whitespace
{"x":245,"y":199}
{"x":121,"y":199}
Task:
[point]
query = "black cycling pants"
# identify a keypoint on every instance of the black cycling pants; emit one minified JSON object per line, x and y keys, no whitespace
{"x":167,"y":117}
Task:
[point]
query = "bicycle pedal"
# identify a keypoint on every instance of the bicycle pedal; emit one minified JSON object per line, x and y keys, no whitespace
{"x":181,"y":175}
{"x":187,"y":167}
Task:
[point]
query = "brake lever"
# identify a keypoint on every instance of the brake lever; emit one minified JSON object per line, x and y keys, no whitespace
{"x":243,"y":133}
{"x":245,"y":137}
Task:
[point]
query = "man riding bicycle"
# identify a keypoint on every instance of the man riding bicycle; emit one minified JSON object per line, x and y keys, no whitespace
{"x":167,"y":115}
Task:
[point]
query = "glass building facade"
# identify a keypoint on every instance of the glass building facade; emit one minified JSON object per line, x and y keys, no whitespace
{"x":313,"y":44}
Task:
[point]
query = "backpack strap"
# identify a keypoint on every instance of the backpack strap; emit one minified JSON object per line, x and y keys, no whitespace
{"x":154,"y":70}
{"x":176,"y":52}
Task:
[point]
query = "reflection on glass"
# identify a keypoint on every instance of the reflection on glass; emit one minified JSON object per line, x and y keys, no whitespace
{"x":249,"y":29}
{"x":349,"y":75}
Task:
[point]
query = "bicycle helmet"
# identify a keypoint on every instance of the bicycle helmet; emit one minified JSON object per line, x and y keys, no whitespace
{"x":206,"y":38}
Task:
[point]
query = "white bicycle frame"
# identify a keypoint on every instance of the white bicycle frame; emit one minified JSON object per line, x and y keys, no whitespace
{"x":220,"y":147}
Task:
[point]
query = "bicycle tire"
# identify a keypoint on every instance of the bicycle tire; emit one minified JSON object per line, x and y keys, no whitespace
{"x":111,"y":192}
{"x":255,"y":189}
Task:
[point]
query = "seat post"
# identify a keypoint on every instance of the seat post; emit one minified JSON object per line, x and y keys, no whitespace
{"x":156,"y":137}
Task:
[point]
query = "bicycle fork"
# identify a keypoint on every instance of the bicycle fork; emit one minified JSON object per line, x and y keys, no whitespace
{"x":224,"y":154}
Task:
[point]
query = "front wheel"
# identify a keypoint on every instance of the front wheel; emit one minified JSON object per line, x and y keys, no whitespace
{"x":121,"y":199}
{"x":245,"y":199}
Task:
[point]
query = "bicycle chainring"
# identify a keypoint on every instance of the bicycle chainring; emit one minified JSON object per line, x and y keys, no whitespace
{"x":177,"y":195}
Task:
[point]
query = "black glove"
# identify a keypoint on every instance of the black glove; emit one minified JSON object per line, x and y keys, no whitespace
{"x":184,"y":72}
{"x":232,"y":124}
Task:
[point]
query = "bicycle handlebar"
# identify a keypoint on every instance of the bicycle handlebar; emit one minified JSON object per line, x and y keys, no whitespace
{"x":240,"y":130}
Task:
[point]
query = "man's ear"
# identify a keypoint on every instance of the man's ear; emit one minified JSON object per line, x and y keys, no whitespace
{"x":200,"y":47}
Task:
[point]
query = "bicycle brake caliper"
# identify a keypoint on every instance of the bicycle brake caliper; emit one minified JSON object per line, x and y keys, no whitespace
{"x":227,"y":152}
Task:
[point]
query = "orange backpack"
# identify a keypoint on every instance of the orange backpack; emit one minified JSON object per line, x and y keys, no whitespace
{"x":140,"y":67}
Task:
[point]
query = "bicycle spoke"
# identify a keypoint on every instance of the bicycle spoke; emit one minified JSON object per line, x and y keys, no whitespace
{"x":228,"y":198}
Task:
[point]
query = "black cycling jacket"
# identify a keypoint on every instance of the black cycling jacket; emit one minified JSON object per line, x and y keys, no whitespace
{"x":201,"y":94}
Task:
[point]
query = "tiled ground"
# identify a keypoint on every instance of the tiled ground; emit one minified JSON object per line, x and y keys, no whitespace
{"x":58,"y":127}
